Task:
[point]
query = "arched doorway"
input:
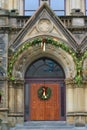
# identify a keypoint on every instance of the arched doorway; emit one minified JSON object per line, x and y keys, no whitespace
{"x":48,"y":73}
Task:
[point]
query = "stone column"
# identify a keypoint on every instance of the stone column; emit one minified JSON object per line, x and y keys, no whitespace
{"x":69,"y":98}
{"x":11,"y":98}
{"x":85,"y":96}
{"x":16,"y":4}
{"x":82,"y":5}
{"x":79,"y":106}
{"x":75,"y":4}
{"x":79,"y":99}
{"x":20,"y":7}
{"x":20,"y":96}
{"x":10,"y":4}
{"x":75,"y":103}
{"x":4,"y":4}
{"x":72,"y":4}
{"x":68,"y":7}
{"x":6,"y":89}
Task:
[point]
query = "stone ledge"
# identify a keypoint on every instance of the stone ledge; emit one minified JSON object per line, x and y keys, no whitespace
{"x":15,"y":115}
{"x":77,"y":114}
{"x":4,"y":109}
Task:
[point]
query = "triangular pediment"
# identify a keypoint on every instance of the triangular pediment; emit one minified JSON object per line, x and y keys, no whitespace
{"x":44,"y":23}
{"x":44,"y":26}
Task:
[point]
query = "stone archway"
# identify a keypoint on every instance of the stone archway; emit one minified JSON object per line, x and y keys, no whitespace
{"x":35,"y":52}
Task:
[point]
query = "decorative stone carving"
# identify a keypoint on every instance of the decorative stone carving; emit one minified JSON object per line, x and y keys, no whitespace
{"x":68,"y":82}
{"x":44,"y":25}
{"x":18,"y":74}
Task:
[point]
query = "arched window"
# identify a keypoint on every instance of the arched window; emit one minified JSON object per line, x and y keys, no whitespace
{"x":58,"y":6}
{"x":45,"y":68}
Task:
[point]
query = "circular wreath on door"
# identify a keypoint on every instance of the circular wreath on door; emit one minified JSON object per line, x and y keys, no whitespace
{"x":44,"y":93}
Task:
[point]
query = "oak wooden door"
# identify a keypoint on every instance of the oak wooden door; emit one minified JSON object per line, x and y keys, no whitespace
{"x":44,"y":109}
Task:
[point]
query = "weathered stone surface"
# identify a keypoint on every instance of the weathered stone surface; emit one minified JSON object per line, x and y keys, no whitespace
{"x":46,"y":125}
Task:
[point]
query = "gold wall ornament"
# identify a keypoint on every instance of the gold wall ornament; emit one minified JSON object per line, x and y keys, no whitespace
{"x":43,"y":46}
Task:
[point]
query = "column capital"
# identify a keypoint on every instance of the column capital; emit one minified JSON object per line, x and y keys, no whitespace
{"x":16,"y":82}
{"x":69,"y":81}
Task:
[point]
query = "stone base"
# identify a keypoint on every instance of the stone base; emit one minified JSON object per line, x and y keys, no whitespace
{"x":77,"y":120}
{"x":12,"y":121}
{"x":4,"y":126}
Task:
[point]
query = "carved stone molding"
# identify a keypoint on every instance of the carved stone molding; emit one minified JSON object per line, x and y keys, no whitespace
{"x":17,"y":82}
{"x":4,"y":109}
{"x":69,"y":81}
{"x":21,"y":82}
{"x":16,"y":114}
{"x":76,"y":113}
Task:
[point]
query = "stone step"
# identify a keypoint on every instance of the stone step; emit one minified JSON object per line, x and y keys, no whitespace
{"x":50,"y":129}
{"x":46,"y":125}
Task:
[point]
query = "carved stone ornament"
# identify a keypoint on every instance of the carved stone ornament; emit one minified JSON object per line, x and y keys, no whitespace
{"x":44,"y":25}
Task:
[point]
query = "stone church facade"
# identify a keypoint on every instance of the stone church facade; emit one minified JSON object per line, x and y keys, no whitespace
{"x":30,"y":47}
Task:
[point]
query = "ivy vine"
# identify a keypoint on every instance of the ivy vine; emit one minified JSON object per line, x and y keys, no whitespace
{"x":77,"y":59}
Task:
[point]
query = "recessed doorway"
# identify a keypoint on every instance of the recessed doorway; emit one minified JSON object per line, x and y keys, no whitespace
{"x":47,"y":73}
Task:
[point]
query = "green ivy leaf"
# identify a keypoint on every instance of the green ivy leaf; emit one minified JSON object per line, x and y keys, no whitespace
{"x":12,"y":78}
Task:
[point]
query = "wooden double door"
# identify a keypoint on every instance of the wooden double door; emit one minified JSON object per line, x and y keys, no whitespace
{"x":44,"y":109}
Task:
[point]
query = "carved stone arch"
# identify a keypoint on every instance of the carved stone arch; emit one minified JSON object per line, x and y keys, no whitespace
{"x":35,"y":52}
{"x":42,"y":35}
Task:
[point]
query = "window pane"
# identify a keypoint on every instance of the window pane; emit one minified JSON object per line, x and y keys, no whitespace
{"x":31,"y":4}
{"x":59,"y":13}
{"x":57,"y":4}
{"x":45,"y":68}
{"x":29,"y":13}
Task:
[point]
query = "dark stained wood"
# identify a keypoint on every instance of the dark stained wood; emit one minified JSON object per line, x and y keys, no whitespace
{"x":48,"y":109}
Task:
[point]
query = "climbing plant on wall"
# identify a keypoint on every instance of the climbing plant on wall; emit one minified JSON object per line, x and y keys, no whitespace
{"x":78,"y":60}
